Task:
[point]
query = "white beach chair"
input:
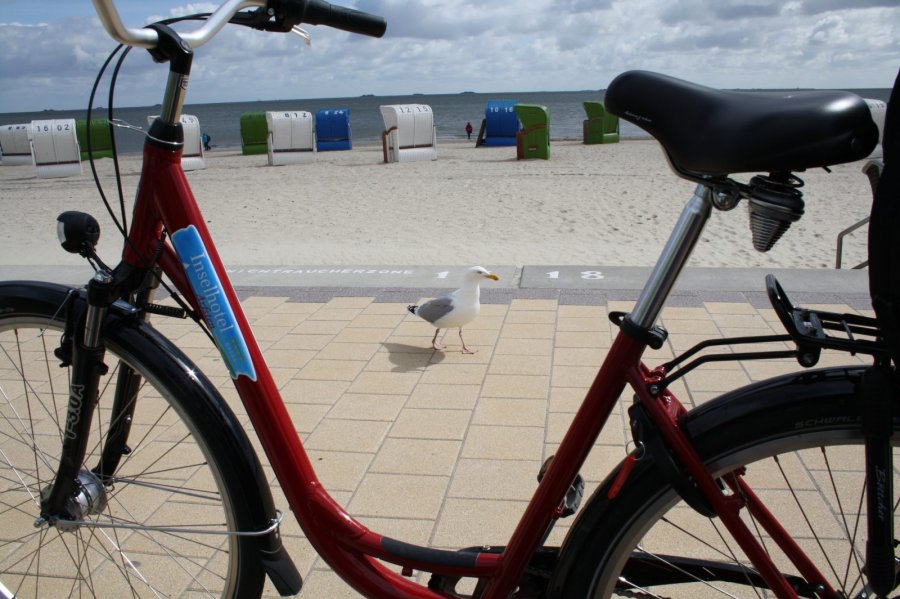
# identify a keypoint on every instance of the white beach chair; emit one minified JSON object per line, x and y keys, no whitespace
{"x":193,"y":158}
{"x":409,"y":133}
{"x":291,"y":137}
{"x":54,"y":148}
{"x":15,"y":144}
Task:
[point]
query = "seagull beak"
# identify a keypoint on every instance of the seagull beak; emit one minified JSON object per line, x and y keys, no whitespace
{"x":492,"y":276}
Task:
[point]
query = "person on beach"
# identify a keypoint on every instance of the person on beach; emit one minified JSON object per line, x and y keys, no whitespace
{"x":206,"y":139}
{"x":469,"y":129}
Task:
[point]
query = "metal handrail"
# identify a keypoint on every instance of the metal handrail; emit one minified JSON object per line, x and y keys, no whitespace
{"x":872,"y":169}
{"x":840,"y":244}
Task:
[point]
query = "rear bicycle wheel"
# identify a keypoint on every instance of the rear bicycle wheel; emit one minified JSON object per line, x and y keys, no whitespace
{"x":143,"y":530}
{"x":799,"y":439}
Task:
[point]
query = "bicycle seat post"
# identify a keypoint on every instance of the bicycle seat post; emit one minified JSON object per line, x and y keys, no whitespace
{"x":673,"y":257}
{"x":178,"y":53}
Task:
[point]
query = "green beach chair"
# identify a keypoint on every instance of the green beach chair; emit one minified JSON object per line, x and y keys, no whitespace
{"x":254,"y":133}
{"x":101,"y":139}
{"x":533,"y":141}
{"x":600,"y":127}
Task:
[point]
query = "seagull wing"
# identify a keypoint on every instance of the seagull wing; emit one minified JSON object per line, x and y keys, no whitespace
{"x":435,"y":309}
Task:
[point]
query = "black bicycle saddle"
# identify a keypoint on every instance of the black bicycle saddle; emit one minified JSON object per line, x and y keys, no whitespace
{"x":711,"y":132}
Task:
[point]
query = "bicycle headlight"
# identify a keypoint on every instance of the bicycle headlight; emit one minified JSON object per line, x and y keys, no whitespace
{"x":78,"y":232}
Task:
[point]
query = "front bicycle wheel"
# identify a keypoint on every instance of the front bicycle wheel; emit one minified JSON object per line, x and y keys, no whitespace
{"x":798,"y":438}
{"x":158,"y":524}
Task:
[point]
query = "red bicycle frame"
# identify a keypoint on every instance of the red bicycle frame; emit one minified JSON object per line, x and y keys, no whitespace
{"x":165,"y":203}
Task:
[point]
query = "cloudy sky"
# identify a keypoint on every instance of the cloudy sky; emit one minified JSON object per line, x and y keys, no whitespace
{"x":50,"y":50}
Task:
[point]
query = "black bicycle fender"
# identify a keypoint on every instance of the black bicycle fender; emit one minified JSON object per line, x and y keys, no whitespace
{"x":276,"y":562}
{"x":41,"y":298}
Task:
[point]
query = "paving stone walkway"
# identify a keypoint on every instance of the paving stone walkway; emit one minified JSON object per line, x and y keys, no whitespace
{"x":442,"y":448}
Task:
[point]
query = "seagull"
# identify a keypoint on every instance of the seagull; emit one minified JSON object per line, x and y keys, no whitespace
{"x":455,"y":309}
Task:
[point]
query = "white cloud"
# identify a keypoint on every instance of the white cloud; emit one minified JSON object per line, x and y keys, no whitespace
{"x":436,"y":46}
{"x":193,"y":8}
{"x":819,"y":6}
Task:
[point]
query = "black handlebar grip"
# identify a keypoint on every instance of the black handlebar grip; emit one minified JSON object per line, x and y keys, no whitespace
{"x":320,"y":12}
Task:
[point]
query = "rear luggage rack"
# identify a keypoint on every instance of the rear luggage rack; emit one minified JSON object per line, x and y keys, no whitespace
{"x":808,"y":329}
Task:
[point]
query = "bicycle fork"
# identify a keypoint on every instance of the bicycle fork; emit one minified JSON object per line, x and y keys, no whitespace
{"x":77,"y":492}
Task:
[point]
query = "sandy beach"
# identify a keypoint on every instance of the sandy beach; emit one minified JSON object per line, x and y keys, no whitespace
{"x":610,"y":205}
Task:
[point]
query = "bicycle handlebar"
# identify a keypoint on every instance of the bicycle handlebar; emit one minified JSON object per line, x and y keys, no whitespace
{"x":287,"y":14}
{"x":148,"y":38}
{"x":321,"y":12}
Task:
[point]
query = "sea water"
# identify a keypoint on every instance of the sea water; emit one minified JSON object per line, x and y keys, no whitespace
{"x":221,"y":121}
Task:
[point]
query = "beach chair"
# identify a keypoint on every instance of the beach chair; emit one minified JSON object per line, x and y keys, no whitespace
{"x":533,"y":141}
{"x":409,"y":133}
{"x":101,"y":138}
{"x":291,"y":137}
{"x":600,"y":126}
{"x":15,"y":144}
{"x":192,"y":159}
{"x":54,"y":148}
{"x":333,"y":129}
{"x":254,"y":133}
{"x":500,"y":124}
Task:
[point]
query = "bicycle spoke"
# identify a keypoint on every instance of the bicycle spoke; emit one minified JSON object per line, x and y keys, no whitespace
{"x":19,"y":481}
{"x":815,"y":492}
{"x":744,"y":571}
{"x":854,"y":556}
{"x":685,"y":572}
{"x":163,"y":529}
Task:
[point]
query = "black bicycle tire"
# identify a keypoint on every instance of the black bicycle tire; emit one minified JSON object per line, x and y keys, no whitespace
{"x":750,"y":421}
{"x":206,"y":416}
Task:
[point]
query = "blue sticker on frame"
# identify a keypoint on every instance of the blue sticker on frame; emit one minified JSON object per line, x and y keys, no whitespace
{"x":213,"y":303}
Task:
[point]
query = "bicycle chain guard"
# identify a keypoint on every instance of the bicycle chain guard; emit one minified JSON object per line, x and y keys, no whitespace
{"x":533,"y":584}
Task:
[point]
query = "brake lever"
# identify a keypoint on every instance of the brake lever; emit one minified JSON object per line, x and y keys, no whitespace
{"x":260,"y":19}
{"x":302,"y":33}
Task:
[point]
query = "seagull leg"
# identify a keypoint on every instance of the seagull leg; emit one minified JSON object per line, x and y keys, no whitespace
{"x":465,"y":349}
{"x":434,"y":342}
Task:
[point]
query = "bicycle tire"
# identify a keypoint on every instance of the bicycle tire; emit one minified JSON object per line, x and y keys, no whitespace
{"x":185,"y":469}
{"x":805,"y":420}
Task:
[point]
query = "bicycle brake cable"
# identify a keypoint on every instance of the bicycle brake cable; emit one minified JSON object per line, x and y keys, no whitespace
{"x":250,"y":20}
{"x":122,"y":225}
{"x":115,"y":153}
{"x":90,"y":148}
